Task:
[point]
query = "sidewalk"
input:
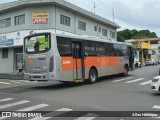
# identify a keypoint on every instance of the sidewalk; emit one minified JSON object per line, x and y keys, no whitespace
{"x":11,"y":76}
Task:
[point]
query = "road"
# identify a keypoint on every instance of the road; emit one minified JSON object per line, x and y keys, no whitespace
{"x":112,"y":93}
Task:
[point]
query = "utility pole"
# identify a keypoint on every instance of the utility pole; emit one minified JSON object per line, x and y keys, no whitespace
{"x":94,"y":7}
{"x":113,"y":14}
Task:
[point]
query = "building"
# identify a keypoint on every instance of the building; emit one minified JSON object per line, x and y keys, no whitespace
{"x":155,"y":47}
{"x":24,"y":17}
{"x":147,"y":48}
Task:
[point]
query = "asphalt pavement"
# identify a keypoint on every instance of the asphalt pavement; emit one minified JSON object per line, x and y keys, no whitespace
{"x":11,"y":76}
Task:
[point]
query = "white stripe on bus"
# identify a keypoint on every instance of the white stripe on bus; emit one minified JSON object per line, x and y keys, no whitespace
{"x":34,"y":107}
{"x":136,"y":80}
{"x":146,"y":83}
{"x":13,"y":104}
{"x":123,"y":79}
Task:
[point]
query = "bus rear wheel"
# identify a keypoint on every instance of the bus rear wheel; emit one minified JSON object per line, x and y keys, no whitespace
{"x":125,"y":73}
{"x":92,"y":76}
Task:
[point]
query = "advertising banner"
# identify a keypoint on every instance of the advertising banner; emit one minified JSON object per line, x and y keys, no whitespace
{"x":11,"y":39}
{"x":40,"y":17}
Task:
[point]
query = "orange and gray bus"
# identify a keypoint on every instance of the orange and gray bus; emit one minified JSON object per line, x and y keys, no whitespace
{"x":69,"y":58}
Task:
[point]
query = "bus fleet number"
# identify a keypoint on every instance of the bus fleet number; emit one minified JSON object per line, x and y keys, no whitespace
{"x":66,"y":62}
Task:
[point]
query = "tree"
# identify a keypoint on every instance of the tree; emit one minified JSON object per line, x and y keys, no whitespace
{"x":120,"y":38}
{"x":135,"y":34}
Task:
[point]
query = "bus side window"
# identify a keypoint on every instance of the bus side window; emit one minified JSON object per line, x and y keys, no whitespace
{"x":124,"y":50}
{"x":109,"y":49}
{"x":64,"y":46}
{"x":89,"y":48}
{"x":100,"y":49}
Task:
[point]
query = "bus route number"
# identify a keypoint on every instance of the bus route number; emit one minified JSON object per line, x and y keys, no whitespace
{"x":66,"y":62}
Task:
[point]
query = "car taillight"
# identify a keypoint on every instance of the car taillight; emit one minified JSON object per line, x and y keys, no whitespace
{"x":51,"y":64}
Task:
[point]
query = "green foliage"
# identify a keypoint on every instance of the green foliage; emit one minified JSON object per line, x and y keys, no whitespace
{"x":135,"y":34}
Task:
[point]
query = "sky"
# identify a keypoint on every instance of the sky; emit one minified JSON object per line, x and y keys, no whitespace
{"x":129,"y":14}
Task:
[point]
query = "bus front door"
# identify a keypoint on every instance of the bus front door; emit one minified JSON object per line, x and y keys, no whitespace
{"x":77,"y":60}
{"x":131,"y":57}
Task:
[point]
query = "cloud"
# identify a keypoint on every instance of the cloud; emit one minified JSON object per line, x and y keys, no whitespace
{"x":135,"y":13}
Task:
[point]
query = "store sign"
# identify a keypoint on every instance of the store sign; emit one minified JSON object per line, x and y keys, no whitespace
{"x":11,"y":39}
{"x":40,"y":17}
{"x":7,"y":42}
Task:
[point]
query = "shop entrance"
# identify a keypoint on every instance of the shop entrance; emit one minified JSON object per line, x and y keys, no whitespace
{"x":18,"y":57}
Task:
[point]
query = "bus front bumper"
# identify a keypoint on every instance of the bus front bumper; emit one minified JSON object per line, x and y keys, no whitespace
{"x":39,"y":77}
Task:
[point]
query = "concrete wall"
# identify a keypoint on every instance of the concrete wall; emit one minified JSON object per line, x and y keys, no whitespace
{"x":7,"y":63}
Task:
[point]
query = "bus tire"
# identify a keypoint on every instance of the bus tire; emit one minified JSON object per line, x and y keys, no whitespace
{"x":125,"y":73}
{"x":92,"y":76}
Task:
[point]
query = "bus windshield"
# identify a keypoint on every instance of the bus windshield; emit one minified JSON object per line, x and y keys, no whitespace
{"x":37,"y":43}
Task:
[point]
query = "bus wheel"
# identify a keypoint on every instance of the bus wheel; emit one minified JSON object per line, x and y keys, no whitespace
{"x":125,"y":73}
{"x":92,"y":76}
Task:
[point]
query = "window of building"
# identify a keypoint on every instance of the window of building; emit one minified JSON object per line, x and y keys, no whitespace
{"x":20,"y":20}
{"x":5,"y":23}
{"x":5,"y":53}
{"x":104,"y":32}
{"x":82,"y":25}
{"x":112,"y":34}
{"x":64,"y":20}
{"x":99,"y":29}
{"x":154,"y":42}
{"x":95,"y":28}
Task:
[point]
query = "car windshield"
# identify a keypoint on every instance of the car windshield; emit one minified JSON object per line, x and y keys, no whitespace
{"x":37,"y":44}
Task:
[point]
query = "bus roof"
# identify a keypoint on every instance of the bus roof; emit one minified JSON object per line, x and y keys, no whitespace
{"x":84,"y":37}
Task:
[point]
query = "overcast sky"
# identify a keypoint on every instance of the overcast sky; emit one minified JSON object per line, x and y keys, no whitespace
{"x":129,"y":14}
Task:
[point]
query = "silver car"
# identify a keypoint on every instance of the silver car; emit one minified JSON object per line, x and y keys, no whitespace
{"x":151,"y":62}
{"x":155,"y":84}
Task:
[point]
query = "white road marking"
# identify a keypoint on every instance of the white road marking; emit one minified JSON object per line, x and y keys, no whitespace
{"x":85,"y":118}
{"x":6,"y":99}
{"x":34,"y":107}
{"x":14,"y":81}
{"x":156,"y":107}
{"x":40,"y":118}
{"x":23,"y":81}
{"x":123,"y":79}
{"x":13,"y":104}
{"x":64,"y":109}
{"x":6,"y":83}
{"x":136,"y":80}
{"x":146,"y":83}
